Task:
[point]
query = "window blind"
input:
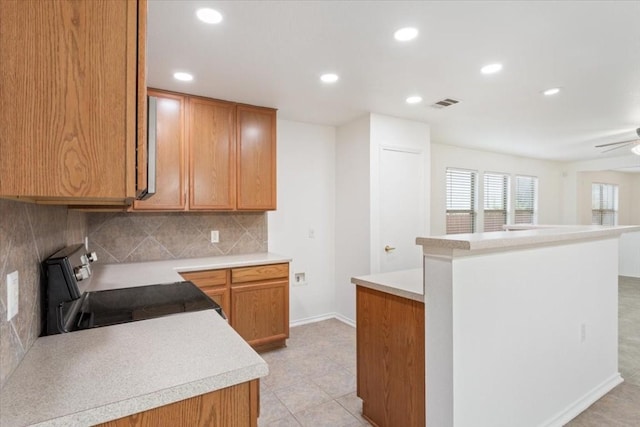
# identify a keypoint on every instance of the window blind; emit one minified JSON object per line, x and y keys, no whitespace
{"x":526,"y":200}
{"x":604,"y":204}
{"x":496,"y":191}
{"x":461,"y":201}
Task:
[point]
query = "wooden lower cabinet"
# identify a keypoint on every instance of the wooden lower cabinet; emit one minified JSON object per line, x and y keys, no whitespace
{"x":260,"y":313}
{"x":390,"y":358}
{"x":260,"y":304}
{"x":235,"y":406}
{"x":214,"y":283}
{"x":255,"y":300}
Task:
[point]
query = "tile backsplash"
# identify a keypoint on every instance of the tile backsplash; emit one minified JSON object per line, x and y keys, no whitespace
{"x":29,"y":233}
{"x":131,"y":237}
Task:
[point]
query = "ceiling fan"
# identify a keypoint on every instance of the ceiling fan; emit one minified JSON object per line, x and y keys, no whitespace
{"x":633,"y":143}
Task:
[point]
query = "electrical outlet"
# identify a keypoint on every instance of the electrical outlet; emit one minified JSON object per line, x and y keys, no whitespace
{"x":215,"y":236}
{"x":312,"y":233}
{"x":13,"y":297}
{"x":299,"y":279}
{"x":583,"y":332}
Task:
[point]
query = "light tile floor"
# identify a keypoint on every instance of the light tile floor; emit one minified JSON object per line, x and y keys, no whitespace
{"x":312,"y":382}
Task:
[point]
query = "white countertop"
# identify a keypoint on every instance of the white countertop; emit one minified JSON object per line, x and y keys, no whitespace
{"x":405,"y":283}
{"x":126,"y":275}
{"x":527,"y":236}
{"x":87,"y":377}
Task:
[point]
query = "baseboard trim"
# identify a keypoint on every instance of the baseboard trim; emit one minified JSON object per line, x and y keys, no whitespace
{"x":584,"y":402}
{"x":320,"y":318}
{"x":346,"y":320}
{"x":312,"y":319}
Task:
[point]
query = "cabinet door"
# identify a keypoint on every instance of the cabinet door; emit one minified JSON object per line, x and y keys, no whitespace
{"x":170,"y":155}
{"x":390,"y":358}
{"x":260,"y":312}
{"x":221,"y":296}
{"x":256,"y":128}
{"x":214,"y":283}
{"x":68,"y":99}
{"x":212,"y":175}
{"x":142,"y":178}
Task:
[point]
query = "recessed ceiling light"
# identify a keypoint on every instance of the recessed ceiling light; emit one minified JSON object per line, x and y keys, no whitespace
{"x":491,"y":68}
{"x":210,"y":16}
{"x":329,"y":78}
{"x":552,"y":91}
{"x":406,"y":34}
{"x":414,"y":99}
{"x":185,"y":77}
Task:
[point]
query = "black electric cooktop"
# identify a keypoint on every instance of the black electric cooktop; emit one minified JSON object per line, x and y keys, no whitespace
{"x":114,"y":306}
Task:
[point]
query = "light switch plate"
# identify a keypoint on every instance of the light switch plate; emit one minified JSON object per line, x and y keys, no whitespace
{"x":13,"y":297}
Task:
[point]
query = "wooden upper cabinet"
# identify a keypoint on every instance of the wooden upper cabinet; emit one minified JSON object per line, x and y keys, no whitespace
{"x":69,"y":100}
{"x":212,"y":153}
{"x":170,"y":154}
{"x":256,"y":159}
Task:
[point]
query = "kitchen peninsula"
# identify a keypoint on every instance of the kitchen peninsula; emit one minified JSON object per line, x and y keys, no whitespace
{"x":521,"y":327}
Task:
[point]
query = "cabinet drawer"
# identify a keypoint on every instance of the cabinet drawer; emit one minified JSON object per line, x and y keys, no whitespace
{"x":207,"y":277}
{"x":262,"y":272}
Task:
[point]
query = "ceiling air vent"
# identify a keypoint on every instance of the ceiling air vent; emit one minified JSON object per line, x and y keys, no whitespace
{"x":448,"y":102}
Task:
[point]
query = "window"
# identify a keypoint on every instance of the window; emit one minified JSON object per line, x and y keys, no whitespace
{"x":496,"y":191}
{"x":604,"y":204}
{"x":461,"y":201}
{"x":526,"y":200}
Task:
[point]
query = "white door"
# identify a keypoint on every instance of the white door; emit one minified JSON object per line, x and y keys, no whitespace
{"x":402,"y":208}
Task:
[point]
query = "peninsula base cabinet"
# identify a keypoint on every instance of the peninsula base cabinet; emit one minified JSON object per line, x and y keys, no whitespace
{"x":236,"y":406}
{"x":390,"y":358}
{"x":255,"y":300}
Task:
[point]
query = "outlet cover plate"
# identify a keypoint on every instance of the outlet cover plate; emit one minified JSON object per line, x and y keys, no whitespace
{"x":13,"y":297}
{"x":215,"y":236}
{"x":299,"y":279}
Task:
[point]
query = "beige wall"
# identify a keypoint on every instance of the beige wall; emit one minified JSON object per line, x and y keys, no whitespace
{"x":628,"y":195}
{"x":131,"y":237}
{"x":29,"y":233}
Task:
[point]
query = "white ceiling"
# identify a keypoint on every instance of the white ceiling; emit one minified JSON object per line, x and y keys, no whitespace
{"x":271,"y":53}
